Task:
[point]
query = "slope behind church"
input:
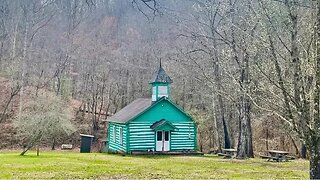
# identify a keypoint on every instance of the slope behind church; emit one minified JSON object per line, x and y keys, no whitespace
{"x":152,"y":124}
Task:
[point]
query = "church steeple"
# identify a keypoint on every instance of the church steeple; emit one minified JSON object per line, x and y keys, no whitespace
{"x":160,"y":84}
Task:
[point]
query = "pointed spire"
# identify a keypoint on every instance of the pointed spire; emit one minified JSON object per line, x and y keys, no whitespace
{"x":161,"y":76}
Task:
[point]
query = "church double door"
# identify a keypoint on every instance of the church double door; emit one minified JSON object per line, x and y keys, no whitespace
{"x":163,"y":141}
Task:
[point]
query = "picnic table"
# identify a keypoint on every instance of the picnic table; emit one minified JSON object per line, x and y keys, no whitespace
{"x":228,"y":153}
{"x":278,"y":156}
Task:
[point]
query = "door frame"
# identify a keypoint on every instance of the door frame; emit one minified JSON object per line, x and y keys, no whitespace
{"x":163,"y":140}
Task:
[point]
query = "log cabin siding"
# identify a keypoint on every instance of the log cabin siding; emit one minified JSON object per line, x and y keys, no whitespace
{"x":142,"y":137}
{"x":184,"y":137}
{"x":114,"y":141}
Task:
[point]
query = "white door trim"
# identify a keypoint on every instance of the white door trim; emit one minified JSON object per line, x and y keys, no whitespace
{"x":161,"y":143}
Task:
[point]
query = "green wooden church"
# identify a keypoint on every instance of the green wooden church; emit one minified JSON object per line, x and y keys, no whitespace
{"x":153,"y":124}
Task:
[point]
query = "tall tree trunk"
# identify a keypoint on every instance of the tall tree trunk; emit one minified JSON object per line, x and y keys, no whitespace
{"x":245,"y":148}
{"x":243,"y":130}
{"x":221,"y":105}
{"x":244,"y":142}
{"x":215,"y":125}
{"x":23,"y":61}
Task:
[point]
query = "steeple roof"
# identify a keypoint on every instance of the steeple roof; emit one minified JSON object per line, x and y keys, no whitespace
{"x":161,"y":76}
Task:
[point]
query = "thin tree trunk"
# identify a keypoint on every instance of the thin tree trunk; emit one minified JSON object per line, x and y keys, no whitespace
{"x":38,"y":151}
{"x":215,"y":125}
{"x":250,"y":144}
{"x":294,"y":145}
{"x":221,"y":104}
{"x":303,"y":153}
{"x":282,"y":139}
{"x":3,"y":114}
{"x":53,"y":147}
{"x":25,"y":150}
{"x":14,"y":91}
{"x":267,"y":138}
{"x":23,"y":63}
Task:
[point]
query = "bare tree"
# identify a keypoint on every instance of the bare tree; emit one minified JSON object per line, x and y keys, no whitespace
{"x":45,"y":117}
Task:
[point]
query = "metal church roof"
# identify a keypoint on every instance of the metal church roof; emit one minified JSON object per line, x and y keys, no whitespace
{"x":138,"y":107}
{"x":131,"y":110}
{"x":161,"y":76}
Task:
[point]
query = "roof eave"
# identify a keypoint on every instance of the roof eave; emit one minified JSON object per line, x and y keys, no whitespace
{"x":113,"y":121}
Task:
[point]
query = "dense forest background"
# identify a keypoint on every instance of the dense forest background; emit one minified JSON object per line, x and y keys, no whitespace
{"x":245,"y":69}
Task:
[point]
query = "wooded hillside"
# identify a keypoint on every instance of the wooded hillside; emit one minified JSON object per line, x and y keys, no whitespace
{"x":247,"y":71}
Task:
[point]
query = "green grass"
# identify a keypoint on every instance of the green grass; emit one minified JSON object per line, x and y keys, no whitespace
{"x":62,"y":165}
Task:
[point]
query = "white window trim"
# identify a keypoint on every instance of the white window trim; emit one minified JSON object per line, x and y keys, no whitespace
{"x":162,"y":91}
{"x":120,"y":135}
{"x":154,"y":92}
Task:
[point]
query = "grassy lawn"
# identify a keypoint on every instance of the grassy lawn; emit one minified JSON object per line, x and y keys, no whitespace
{"x":62,"y":165}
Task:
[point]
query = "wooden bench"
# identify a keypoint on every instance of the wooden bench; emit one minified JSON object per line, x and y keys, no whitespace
{"x":291,"y":157}
{"x":227,"y":156}
{"x":278,"y":156}
{"x":270,"y":158}
{"x":265,"y":156}
{"x":66,"y":146}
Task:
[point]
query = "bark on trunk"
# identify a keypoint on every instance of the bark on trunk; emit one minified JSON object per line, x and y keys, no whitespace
{"x":215,"y":125}
{"x":227,"y":143}
{"x":250,"y":144}
{"x":315,"y":161}
{"x":221,"y":105}
{"x":245,"y":148}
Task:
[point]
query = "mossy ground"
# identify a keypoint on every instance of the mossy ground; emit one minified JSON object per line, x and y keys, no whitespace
{"x":71,"y":165}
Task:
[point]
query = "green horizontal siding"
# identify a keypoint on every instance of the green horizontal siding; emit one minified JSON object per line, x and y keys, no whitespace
{"x":142,"y":137}
{"x":183,"y":138}
{"x":114,"y":142}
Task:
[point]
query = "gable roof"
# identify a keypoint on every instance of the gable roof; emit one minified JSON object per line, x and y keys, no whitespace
{"x":162,"y":123}
{"x":161,"y":76}
{"x":131,"y":110}
{"x":138,"y":107}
